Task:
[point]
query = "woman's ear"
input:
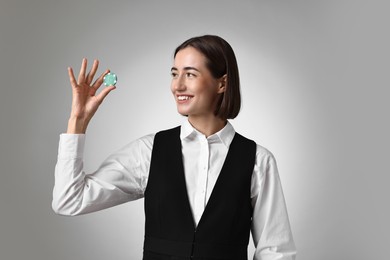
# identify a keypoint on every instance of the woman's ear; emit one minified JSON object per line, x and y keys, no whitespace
{"x":222,"y":84}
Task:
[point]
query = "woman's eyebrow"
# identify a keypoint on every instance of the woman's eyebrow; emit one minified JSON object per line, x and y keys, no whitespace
{"x":186,"y":68}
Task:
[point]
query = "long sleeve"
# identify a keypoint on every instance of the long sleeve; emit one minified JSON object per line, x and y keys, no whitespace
{"x":122,"y":177}
{"x":270,"y":224}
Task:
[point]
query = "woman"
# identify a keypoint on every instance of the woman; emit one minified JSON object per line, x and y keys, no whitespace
{"x":205,"y":186}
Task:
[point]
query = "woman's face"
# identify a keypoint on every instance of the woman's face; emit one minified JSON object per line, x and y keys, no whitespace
{"x":195,"y":90}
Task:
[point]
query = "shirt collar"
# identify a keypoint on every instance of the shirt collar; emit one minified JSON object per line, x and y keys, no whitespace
{"x":225,"y":135}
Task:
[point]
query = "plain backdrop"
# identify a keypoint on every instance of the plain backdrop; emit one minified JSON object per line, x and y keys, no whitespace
{"x":315,"y":92}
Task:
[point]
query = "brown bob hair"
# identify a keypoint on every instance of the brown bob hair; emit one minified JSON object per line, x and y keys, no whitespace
{"x":221,"y":60}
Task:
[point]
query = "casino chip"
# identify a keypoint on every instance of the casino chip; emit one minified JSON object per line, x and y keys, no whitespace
{"x":110,"y":79}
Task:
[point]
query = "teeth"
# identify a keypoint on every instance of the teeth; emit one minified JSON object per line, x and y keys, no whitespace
{"x":183,"y":97}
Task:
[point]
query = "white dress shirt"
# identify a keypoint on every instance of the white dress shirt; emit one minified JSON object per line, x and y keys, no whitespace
{"x":123,"y":177}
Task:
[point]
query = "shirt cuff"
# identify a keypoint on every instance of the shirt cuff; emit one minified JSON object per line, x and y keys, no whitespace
{"x":71,"y":146}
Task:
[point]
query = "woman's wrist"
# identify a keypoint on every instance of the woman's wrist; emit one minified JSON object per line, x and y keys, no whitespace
{"x":77,"y":125}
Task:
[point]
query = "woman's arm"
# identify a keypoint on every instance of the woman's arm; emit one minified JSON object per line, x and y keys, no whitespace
{"x":271,"y":230}
{"x":120,"y":178}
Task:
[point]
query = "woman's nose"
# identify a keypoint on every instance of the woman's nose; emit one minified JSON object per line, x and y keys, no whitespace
{"x":179,"y":83}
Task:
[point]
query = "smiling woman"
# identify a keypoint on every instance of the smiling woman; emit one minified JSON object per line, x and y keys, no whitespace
{"x":205,"y":186}
{"x":197,"y":92}
{"x":219,"y":60}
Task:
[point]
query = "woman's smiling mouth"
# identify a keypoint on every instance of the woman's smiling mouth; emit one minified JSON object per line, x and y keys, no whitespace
{"x":184,"y":97}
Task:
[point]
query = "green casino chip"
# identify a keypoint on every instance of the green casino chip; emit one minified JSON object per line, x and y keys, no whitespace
{"x":110,"y":79}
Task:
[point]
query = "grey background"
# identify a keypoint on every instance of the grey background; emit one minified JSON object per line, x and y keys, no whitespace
{"x":315,"y":92}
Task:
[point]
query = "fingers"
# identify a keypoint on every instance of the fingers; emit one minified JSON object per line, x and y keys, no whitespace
{"x":99,"y":81}
{"x":72,"y":78}
{"x":91,"y":74}
{"x":86,"y":80}
{"x":83,"y":68}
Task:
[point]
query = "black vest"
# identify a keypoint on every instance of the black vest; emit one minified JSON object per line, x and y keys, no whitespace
{"x":224,"y":228}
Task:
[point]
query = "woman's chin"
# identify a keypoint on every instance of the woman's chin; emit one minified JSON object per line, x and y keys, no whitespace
{"x":182,"y":112}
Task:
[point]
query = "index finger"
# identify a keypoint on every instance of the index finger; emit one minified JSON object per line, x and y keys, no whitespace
{"x":99,"y":81}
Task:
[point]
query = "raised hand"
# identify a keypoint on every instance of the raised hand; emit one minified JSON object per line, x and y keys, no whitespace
{"x":85,"y":102}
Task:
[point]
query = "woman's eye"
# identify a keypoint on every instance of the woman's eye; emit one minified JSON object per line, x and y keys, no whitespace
{"x":188,"y":75}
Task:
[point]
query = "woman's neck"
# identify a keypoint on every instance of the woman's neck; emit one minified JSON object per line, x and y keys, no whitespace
{"x":207,"y":125}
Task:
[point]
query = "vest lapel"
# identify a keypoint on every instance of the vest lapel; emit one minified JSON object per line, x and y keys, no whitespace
{"x":178,"y":157}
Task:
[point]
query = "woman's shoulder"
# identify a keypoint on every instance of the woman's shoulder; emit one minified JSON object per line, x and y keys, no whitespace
{"x":146,"y":141}
{"x":262,"y":151}
{"x":143,"y":143}
{"x":263,"y":154}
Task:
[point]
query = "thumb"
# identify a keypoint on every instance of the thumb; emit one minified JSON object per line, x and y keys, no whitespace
{"x":102,"y":95}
